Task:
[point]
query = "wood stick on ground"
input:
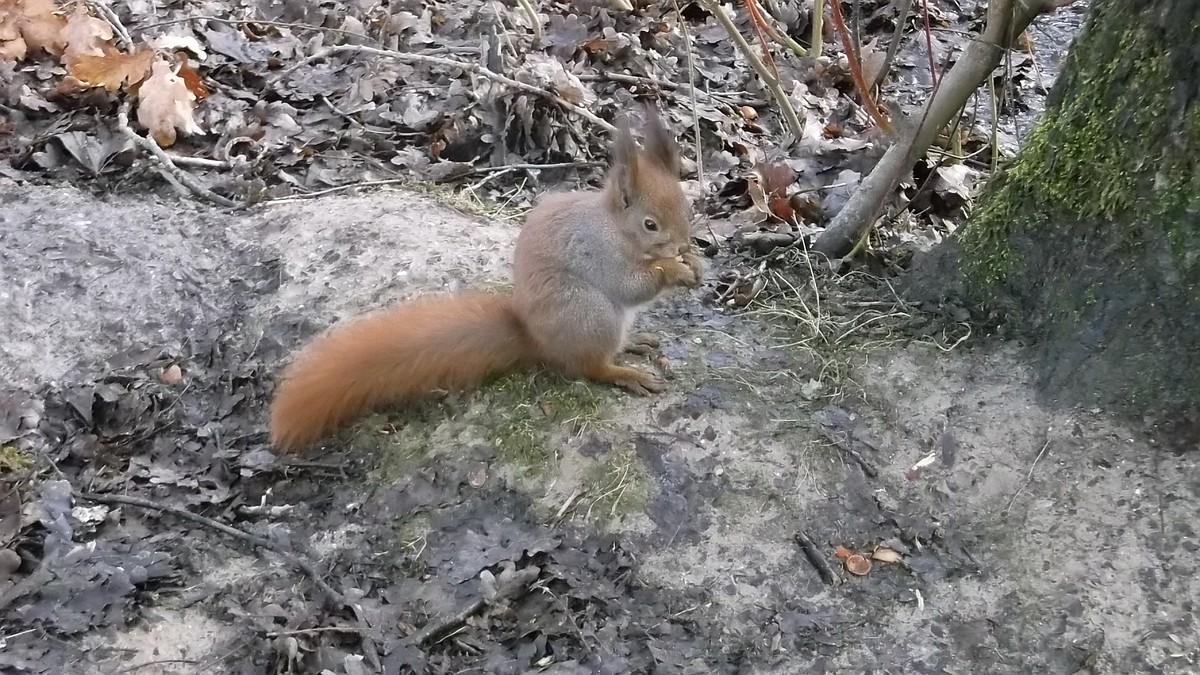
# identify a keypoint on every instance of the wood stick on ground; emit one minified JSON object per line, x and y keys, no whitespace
{"x":474,"y":68}
{"x":334,"y":598}
{"x":182,"y":177}
{"x":815,"y":558}
{"x":509,"y":584}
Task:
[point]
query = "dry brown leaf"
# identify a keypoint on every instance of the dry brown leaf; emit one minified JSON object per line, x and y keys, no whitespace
{"x":165,"y":105}
{"x":113,"y":69}
{"x":843,"y":552}
{"x":477,"y":476}
{"x":191,"y":78}
{"x":12,"y":49}
{"x":84,"y":34}
{"x":27,"y":25}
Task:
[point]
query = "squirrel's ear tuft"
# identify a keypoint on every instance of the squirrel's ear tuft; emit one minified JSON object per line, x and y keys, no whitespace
{"x":660,"y":146}
{"x":624,"y":165}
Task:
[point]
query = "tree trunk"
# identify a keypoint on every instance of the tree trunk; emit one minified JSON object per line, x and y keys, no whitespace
{"x":1088,"y":242}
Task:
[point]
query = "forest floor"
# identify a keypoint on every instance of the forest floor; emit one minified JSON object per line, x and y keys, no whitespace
{"x":537,"y":524}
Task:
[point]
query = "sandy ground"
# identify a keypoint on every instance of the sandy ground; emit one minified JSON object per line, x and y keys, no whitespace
{"x":1035,"y":540}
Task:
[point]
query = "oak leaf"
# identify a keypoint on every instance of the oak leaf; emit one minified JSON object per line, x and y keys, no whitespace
{"x":84,"y":34}
{"x":165,"y":105}
{"x":111,"y":69}
{"x":28,"y":25}
{"x":191,"y":78}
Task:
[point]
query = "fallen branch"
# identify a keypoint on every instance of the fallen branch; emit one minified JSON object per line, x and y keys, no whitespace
{"x":473,"y":68}
{"x":1006,"y":20}
{"x":182,"y":177}
{"x":334,"y":598}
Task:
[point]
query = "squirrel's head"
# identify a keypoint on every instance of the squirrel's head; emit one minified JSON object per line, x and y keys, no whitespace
{"x":650,"y":205}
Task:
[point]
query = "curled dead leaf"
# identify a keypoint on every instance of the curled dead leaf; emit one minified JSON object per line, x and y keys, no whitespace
{"x":85,"y":35}
{"x":885,"y":554}
{"x":191,"y":78}
{"x":858,"y":565}
{"x":29,"y":25}
{"x":10,"y":562}
{"x":165,"y":105}
{"x":172,"y":374}
{"x":478,"y":476}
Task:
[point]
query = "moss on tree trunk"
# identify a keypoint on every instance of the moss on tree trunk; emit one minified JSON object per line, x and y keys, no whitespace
{"x":1089,"y":240}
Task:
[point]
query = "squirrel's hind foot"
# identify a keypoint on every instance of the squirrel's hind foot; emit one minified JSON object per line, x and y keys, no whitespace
{"x":636,"y":381}
{"x":642,"y":343}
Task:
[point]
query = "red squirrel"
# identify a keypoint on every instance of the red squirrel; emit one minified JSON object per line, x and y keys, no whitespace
{"x":584,"y":263}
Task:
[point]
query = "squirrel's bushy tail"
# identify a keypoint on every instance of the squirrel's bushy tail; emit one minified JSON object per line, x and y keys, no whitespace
{"x":398,"y":354}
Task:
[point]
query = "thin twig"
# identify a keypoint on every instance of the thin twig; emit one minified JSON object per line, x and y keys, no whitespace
{"x":436,"y":628}
{"x":856,"y":74}
{"x":535,"y":167}
{"x":1028,"y":476}
{"x":334,"y":598}
{"x":256,"y":22}
{"x":339,"y":188}
{"x":473,"y":68}
{"x":184,"y":178}
{"x":772,"y":83}
{"x":757,"y":22}
{"x":894,"y":45}
{"x":156,"y":662}
{"x":350,"y":118}
{"x":779,"y":34}
{"x":114,"y":21}
{"x":625,"y":78}
{"x":691,"y":70}
{"x":929,"y":43}
{"x":198,"y":162}
{"x":315,"y":629}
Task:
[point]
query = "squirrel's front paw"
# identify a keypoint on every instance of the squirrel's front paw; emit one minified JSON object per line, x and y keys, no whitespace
{"x":671,"y":272}
{"x":695,"y":264}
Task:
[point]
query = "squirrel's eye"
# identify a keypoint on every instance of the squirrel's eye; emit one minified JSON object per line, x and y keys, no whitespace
{"x":650,"y":225}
